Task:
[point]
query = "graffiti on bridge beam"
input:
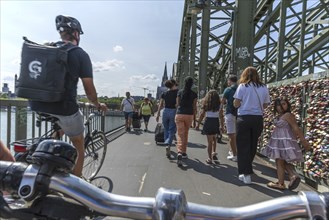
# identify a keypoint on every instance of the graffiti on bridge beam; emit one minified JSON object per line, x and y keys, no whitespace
{"x":242,"y":52}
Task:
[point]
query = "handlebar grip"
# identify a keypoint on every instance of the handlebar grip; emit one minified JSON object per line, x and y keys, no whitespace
{"x":11,"y":175}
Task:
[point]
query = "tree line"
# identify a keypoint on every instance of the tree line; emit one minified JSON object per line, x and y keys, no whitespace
{"x":113,"y":103}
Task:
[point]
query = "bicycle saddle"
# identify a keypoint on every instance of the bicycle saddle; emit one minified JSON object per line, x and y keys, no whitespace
{"x":46,"y":117}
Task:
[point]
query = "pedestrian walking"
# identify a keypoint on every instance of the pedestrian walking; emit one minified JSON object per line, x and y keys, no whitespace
{"x":230,"y":115}
{"x":127,"y":106}
{"x":168,"y":101}
{"x":186,"y":110}
{"x":146,"y":110}
{"x":251,"y":97}
{"x":210,"y":109}
{"x":283,"y":146}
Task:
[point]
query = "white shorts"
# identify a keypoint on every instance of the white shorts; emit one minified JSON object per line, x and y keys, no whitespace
{"x":230,"y":121}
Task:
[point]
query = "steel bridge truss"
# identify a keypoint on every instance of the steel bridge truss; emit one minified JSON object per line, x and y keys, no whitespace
{"x":282,"y":39}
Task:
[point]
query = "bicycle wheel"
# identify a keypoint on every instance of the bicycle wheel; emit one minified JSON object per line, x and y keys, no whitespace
{"x":95,"y":151}
{"x":102,"y":182}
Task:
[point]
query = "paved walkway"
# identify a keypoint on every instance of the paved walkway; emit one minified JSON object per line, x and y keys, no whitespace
{"x":138,"y":167}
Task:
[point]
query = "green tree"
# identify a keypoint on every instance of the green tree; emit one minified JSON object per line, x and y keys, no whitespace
{"x":4,"y":96}
{"x":112,"y":103}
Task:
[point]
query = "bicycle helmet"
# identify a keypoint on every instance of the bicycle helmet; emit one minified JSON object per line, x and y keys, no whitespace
{"x":67,"y":23}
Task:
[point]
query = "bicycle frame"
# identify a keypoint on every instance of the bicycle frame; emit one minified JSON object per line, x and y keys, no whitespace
{"x":89,"y":134}
{"x":22,"y":147}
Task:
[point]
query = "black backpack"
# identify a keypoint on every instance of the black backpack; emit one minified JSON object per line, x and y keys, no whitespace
{"x":234,"y":110}
{"x":43,"y":71}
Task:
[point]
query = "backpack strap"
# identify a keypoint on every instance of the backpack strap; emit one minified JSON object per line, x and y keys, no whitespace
{"x":151,"y":107}
{"x":149,"y":104}
{"x":66,"y":46}
{"x":234,"y":110}
{"x":234,"y":88}
{"x":72,"y":47}
{"x":260,"y":103}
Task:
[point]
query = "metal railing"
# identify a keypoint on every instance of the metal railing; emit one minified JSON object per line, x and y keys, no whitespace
{"x":21,"y":120}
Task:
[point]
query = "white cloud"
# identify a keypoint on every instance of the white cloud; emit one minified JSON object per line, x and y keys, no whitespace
{"x":144,"y":78}
{"x":113,"y":74}
{"x":142,"y":84}
{"x":109,"y":84}
{"x":117,"y":48}
{"x":108,"y":65}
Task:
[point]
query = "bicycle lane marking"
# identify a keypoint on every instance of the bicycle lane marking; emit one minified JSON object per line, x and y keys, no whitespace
{"x":142,"y":183}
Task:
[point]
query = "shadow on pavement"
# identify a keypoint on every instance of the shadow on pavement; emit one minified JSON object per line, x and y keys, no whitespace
{"x":227,"y":173}
{"x":136,"y":132}
{"x":196,"y":145}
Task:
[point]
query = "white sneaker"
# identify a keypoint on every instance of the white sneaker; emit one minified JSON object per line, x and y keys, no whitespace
{"x":230,"y":153}
{"x":245,"y":179}
{"x":233,"y":158}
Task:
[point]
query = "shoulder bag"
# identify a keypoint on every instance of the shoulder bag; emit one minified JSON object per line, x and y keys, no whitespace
{"x":260,"y":103}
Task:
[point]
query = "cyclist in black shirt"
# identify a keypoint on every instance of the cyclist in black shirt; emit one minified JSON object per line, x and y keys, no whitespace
{"x":67,"y":110}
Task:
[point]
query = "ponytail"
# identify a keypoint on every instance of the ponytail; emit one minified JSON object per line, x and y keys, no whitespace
{"x":188,"y":83}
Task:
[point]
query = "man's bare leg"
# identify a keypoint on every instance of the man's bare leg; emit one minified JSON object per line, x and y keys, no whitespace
{"x":129,"y":122}
{"x":5,"y":153}
{"x":78,"y":143}
{"x":232,"y":138}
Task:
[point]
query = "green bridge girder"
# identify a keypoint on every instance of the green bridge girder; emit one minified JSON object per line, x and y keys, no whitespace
{"x":282,"y":39}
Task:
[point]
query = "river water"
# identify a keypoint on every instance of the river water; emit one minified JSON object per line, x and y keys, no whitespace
{"x":111,"y":122}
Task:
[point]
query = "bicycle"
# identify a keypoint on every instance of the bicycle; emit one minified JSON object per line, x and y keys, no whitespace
{"x":95,"y":144}
{"x":95,"y":150}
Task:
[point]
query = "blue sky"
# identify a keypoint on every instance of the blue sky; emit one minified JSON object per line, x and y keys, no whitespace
{"x":127,"y":41}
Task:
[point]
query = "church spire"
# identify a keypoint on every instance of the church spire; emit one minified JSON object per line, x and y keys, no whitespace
{"x":165,"y":75}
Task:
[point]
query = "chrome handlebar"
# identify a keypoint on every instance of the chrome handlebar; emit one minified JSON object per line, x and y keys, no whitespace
{"x":167,"y":204}
{"x":172,"y":204}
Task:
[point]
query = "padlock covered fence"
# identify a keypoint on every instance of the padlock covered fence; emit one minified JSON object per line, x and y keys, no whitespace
{"x":309,"y":98}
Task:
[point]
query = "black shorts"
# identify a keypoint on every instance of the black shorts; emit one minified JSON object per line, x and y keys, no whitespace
{"x":146,"y":118}
{"x":211,"y":126}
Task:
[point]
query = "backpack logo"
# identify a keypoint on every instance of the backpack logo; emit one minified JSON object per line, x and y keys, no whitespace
{"x":35,"y":69}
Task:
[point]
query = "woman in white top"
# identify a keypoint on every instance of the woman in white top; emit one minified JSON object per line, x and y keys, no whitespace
{"x":251,"y":97}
